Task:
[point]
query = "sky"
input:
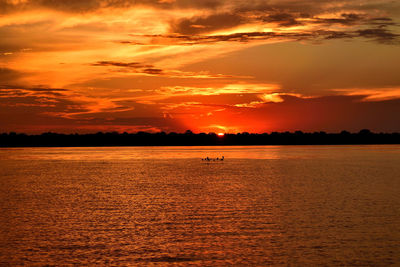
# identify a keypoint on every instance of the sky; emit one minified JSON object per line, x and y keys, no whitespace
{"x":202,"y":65}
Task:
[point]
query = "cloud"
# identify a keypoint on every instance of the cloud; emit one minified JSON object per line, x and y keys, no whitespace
{"x":373,"y":94}
{"x":179,"y":39}
{"x":346,"y":19}
{"x":253,"y":104}
{"x":197,"y":25}
{"x":78,"y":6}
{"x":7,"y":74}
{"x":239,"y":88}
{"x":51,"y":98}
{"x":377,"y":34}
{"x":57,"y":101}
{"x":50,"y":94}
{"x":134,"y":65}
{"x":28,"y":109}
{"x":50,"y":109}
{"x":146,"y":69}
{"x":283,"y":19}
{"x":39,"y":109}
{"x":274,"y":97}
{"x":380,"y":35}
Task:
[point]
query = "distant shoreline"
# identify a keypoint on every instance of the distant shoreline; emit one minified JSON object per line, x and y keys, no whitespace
{"x":140,"y":139}
{"x":105,"y":146}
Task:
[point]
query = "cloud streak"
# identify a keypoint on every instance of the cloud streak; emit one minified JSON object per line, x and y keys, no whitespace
{"x":376,"y":34}
{"x":146,"y":69}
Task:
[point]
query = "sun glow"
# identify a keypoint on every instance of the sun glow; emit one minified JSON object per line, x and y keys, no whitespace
{"x":221,"y":134}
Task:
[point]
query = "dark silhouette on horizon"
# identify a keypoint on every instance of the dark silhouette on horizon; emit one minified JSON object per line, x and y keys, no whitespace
{"x":191,"y":139}
{"x":207,"y":159}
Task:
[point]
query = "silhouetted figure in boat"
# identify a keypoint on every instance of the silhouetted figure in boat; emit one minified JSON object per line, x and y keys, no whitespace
{"x":213,"y":159}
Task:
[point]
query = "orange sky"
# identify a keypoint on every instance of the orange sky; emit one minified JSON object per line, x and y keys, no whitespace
{"x":208,"y":66}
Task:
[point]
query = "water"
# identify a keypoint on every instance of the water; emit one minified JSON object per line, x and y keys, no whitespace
{"x":294,"y":205}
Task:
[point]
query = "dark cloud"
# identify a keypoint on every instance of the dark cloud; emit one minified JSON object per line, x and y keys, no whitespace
{"x":382,"y":22}
{"x":6,"y":6}
{"x":304,"y":7}
{"x":153,"y":71}
{"x":268,"y":7}
{"x":316,"y":7}
{"x":344,"y":19}
{"x":134,"y":67}
{"x":53,"y":109}
{"x":380,"y":35}
{"x":235,"y":37}
{"x":10,"y":88}
{"x":27,"y":102}
{"x":8,"y":75}
{"x":283,"y":19}
{"x":36,"y":89}
{"x":362,"y":21}
{"x":79,"y":6}
{"x":211,"y":23}
{"x":201,"y":25}
{"x":214,"y":22}
{"x":284,"y":12}
{"x":139,"y":68}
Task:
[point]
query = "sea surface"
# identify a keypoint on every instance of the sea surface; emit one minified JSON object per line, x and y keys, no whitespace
{"x":164,"y":206}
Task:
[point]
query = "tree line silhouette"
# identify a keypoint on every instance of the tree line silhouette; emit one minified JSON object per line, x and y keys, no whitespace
{"x":189,"y":138}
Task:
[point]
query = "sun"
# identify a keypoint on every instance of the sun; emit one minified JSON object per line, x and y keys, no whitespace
{"x":221,"y":134}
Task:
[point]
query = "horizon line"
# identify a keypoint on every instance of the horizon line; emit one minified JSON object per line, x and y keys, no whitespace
{"x":187,"y":132}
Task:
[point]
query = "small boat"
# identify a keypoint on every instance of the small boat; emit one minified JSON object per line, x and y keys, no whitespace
{"x":213,"y":159}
